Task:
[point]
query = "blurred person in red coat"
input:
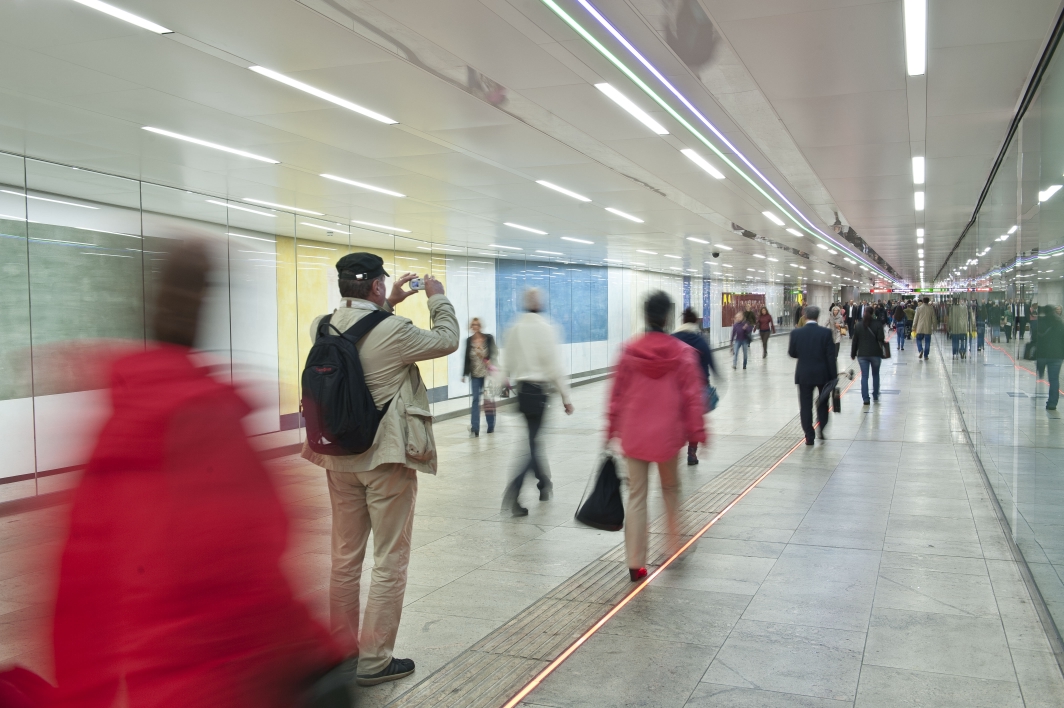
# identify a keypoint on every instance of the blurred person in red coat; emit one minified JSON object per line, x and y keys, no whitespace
{"x":655,"y":409}
{"x":170,"y":587}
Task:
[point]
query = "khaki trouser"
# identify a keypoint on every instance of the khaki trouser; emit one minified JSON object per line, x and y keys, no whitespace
{"x":381,"y":500}
{"x":635,"y":515}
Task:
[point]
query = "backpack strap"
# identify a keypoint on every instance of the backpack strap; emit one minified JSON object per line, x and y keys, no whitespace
{"x":324,"y":324}
{"x":361,"y":328}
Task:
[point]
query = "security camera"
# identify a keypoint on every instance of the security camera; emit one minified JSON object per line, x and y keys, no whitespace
{"x":716,"y":254}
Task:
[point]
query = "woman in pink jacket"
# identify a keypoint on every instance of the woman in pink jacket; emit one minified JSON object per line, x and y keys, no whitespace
{"x":655,"y":409}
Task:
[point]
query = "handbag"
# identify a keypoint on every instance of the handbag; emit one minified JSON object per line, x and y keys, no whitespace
{"x":603,"y":508}
{"x":1028,"y":351}
{"x":836,"y":400}
{"x":886,"y":349}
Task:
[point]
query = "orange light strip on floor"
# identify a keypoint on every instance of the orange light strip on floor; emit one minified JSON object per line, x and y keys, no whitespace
{"x":1022,"y":368}
{"x":550,"y":668}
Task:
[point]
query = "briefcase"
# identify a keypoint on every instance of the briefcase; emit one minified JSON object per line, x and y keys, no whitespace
{"x":836,"y":400}
{"x":886,"y":350}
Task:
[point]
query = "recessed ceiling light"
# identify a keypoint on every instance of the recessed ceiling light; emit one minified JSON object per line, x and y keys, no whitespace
{"x":773,"y":218}
{"x":758,"y":255}
{"x":918,"y":170}
{"x":551,"y":253}
{"x":916,"y":37}
{"x":919,"y":241}
{"x":125,"y":16}
{"x":624,"y":102}
{"x":363,"y":185}
{"x":563,"y":190}
{"x":341,"y":229}
{"x":577,"y":240}
{"x":610,"y":260}
{"x":227,"y":205}
{"x":214,"y":146}
{"x":722,"y":246}
{"x":697,"y":240}
{"x":636,"y":263}
{"x":321,"y":94}
{"x":669,"y":255}
{"x":44,"y":199}
{"x":1013,"y":230}
{"x":918,"y":200}
{"x":675,"y":268}
{"x":509,"y":248}
{"x":623,"y":215}
{"x":820,"y":245}
{"x":381,"y":226}
{"x":649,"y":253}
{"x":282,"y":206}
{"x":795,"y":232}
{"x":703,"y":163}
{"x":1048,"y":192}
{"x":832,"y":251}
{"x":726,"y":265}
{"x":774,"y":260}
{"x":524,"y":228}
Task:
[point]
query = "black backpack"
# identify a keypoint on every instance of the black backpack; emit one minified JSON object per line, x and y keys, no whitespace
{"x":341,"y":416}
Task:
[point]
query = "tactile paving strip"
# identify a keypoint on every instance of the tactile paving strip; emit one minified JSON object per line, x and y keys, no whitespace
{"x":491,"y":671}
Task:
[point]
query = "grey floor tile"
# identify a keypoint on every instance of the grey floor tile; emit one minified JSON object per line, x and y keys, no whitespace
{"x":679,"y":615}
{"x":1040,"y":679}
{"x":883,"y":687}
{"x":486,"y":594}
{"x":810,"y":661}
{"x":711,"y":695}
{"x":717,"y":572}
{"x":935,"y":563}
{"x":934,"y":591}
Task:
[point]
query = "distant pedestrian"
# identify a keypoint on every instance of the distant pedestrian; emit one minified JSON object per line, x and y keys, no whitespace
{"x":690,"y":333}
{"x":740,"y":339}
{"x":960,"y":324}
{"x":900,"y":323}
{"x":924,"y":326}
{"x":836,"y":324}
{"x":817,"y":366}
{"x":655,"y":408}
{"x":766,"y":327}
{"x":480,"y":355}
{"x":530,"y":357}
{"x":867,"y":349}
{"x":1049,"y":350}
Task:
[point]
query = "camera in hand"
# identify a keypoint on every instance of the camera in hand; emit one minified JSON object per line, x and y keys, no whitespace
{"x":417,"y":284}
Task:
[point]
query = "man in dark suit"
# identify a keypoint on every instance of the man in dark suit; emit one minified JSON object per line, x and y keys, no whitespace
{"x":853,"y":314}
{"x":814,"y":349}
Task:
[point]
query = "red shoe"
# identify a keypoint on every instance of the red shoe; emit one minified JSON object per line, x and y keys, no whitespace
{"x":637,"y":574}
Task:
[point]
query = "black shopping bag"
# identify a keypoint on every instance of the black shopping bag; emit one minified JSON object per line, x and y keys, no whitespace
{"x":602,"y":508}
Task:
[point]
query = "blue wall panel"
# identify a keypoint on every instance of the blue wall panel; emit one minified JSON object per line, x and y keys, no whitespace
{"x":577,"y":297}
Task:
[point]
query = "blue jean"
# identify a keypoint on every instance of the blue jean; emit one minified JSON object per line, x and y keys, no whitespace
{"x":901,"y":335}
{"x":923,"y":344}
{"x":736,"y":345}
{"x":980,"y":330}
{"x":866,"y":362}
{"x":477,"y":384}
{"x":960,"y":343}
{"x":1053,"y":371}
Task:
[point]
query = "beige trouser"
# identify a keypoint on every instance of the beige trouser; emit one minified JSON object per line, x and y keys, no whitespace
{"x":635,"y":515}
{"x":381,"y":500}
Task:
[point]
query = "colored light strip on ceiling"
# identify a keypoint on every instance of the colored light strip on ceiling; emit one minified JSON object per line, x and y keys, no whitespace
{"x":590,"y":39}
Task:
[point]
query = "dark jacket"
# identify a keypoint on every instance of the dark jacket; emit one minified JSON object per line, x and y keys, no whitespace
{"x":705,"y":354}
{"x":814,"y":348}
{"x":1050,"y":338}
{"x":493,"y":352}
{"x":867,"y":341}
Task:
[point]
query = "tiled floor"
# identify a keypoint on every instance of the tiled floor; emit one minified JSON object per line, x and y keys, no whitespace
{"x":867,"y":570}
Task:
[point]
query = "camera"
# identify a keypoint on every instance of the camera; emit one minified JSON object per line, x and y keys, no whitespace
{"x":716,"y":254}
{"x":417,"y":284}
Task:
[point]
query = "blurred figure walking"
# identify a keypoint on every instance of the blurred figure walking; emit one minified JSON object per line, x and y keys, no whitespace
{"x":960,"y":324}
{"x":170,"y":587}
{"x":530,"y":357}
{"x":836,"y":324}
{"x":655,"y":408}
{"x":480,"y":353}
{"x":901,"y":323}
{"x":867,"y":349}
{"x":924,"y":326}
{"x":690,"y":333}
{"x":817,"y":365}
{"x":766,"y":327}
{"x":740,"y":339}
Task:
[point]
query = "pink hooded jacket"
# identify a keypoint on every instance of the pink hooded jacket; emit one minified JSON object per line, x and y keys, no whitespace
{"x":656,"y":400}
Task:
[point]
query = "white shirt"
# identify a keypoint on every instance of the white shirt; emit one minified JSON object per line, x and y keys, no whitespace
{"x":530,"y":353}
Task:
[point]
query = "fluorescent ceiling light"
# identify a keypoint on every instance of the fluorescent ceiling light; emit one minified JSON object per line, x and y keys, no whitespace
{"x":363,"y":185}
{"x":820,"y":245}
{"x":509,"y":248}
{"x":577,"y":240}
{"x":524,"y":228}
{"x":1048,"y":192}
{"x":636,"y":263}
{"x":697,"y":240}
{"x":624,"y":102}
{"x":563,"y":190}
{"x":621,"y":214}
{"x":773,"y":218}
{"x":919,"y":241}
{"x":1013,"y":230}
{"x":758,"y":255}
{"x":916,"y":37}
{"x":339,"y":227}
{"x":126,"y":16}
{"x":918,"y":170}
{"x":669,"y":255}
{"x":723,"y":247}
{"x":832,"y":251}
{"x":918,"y":200}
{"x":795,"y":232}
{"x":282,"y":206}
{"x":920,"y":253}
{"x":726,"y":265}
{"x":703,"y":163}
{"x":649,"y":253}
{"x":322,"y":94}
{"x":551,"y":253}
{"x":670,"y":267}
{"x":920,"y":233}
{"x":44,"y":199}
{"x":214,"y":146}
{"x":227,"y":205}
{"x":381,"y":226}
{"x":774,"y":260}
{"x":611,"y":260}
{"x":253,"y":238}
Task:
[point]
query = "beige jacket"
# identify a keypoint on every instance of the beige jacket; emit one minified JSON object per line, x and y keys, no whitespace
{"x":388,"y":354}
{"x":924,"y":322}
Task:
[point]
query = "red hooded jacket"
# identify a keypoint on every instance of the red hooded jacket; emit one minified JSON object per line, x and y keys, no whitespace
{"x":656,"y":399}
{"x":170,"y":581}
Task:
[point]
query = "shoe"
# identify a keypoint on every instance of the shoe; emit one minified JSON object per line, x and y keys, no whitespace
{"x":546,"y":493}
{"x":820,"y":433}
{"x":735,"y":366}
{"x":692,"y":460}
{"x":637,"y":574}
{"x":867,"y":403}
{"x":809,"y":442}
{"x":518,"y":510}
{"x":744,"y":366}
{"x":1050,"y":408}
{"x":875,"y":400}
{"x":399,"y":668}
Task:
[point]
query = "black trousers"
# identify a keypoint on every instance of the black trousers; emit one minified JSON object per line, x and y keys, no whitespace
{"x":532,"y":464}
{"x":1021,"y":326}
{"x":849,"y":327}
{"x":805,"y":401}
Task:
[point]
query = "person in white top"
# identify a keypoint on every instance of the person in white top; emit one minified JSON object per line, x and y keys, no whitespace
{"x":530,"y":359}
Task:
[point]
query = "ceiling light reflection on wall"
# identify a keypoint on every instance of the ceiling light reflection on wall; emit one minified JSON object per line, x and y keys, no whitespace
{"x":551,"y":253}
{"x":669,"y":255}
{"x":282,"y":206}
{"x":649,"y":253}
{"x":524,"y":228}
{"x":362,"y":185}
{"x":624,"y":102}
{"x":45,"y":199}
{"x":623,"y":215}
{"x":1048,"y":192}
{"x":125,"y":16}
{"x":343,"y":102}
{"x":577,"y":240}
{"x":380,"y":226}
{"x":508,"y":248}
{"x":227,"y":205}
{"x":703,"y":163}
{"x":213,"y":146}
{"x":563,"y":190}
{"x":918,"y":170}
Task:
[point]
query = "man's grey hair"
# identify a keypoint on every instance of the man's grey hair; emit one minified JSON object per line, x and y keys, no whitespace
{"x":533,"y":299}
{"x":812,"y":312}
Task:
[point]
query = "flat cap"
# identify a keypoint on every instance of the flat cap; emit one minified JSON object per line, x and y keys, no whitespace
{"x":360,"y":266}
